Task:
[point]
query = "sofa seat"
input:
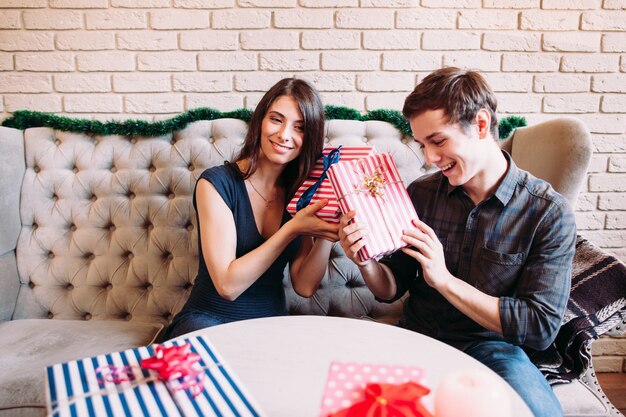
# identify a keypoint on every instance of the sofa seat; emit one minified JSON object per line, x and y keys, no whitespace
{"x":44,"y":342}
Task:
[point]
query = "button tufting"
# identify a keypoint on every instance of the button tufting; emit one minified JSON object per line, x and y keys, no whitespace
{"x":90,"y":256}
{"x":108,"y":286}
{"x":50,"y":315}
{"x":167,"y":316}
{"x":130,"y":196}
{"x":149,"y":227}
{"x":36,"y":169}
{"x":171,"y":196}
{"x":148,"y":287}
{"x":57,"y":142}
{"x":130,"y":255}
{"x":87,"y":316}
{"x":35,"y":226}
{"x":190,"y":167}
{"x":190,"y":227}
{"x":75,"y":170}
{"x":31,"y":285}
{"x":128,"y":317}
{"x":55,"y":197}
{"x":73,"y":227}
{"x":169,"y":256}
{"x":112,"y":228}
{"x":69,"y":286}
{"x":93,"y":197}
{"x":151,"y":168}
{"x":113,"y":169}
{"x":133,"y":140}
{"x":50,"y":255}
{"x":365,"y":139}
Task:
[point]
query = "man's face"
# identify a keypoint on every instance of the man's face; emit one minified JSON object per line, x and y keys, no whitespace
{"x":454,"y":150}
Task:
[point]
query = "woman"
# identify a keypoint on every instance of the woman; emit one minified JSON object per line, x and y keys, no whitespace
{"x":246,"y":237}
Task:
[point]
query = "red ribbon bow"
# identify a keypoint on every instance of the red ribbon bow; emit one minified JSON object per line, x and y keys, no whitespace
{"x":389,"y":400}
{"x":177,"y":362}
{"x":172,"y":362}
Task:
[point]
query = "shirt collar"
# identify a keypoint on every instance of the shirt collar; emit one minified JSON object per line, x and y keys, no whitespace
{"x":505,"y":190}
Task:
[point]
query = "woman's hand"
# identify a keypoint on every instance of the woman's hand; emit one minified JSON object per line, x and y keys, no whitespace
{"x":308,"y":224}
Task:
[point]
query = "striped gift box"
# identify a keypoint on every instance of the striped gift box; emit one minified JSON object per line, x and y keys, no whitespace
{"x":373,"y":187}
{"x":76,"y":389}
{"x":331,"y":212}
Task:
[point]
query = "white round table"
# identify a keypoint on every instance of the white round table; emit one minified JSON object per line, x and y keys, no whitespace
{"x":284,"y":361}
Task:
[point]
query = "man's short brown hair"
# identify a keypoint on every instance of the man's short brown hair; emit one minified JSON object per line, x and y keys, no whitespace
{"x":460,"y":93}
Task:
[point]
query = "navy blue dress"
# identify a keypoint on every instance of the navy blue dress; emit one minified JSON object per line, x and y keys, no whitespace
{"x":265,"y":297}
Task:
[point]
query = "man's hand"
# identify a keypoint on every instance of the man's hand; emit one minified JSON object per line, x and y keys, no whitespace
{"x":351,"y":238}
{"x":429,"y":254}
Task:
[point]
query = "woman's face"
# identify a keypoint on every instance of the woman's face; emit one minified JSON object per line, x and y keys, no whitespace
{"x":282,"y":131}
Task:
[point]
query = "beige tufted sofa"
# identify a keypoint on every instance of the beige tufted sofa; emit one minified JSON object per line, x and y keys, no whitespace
{"x":98,"y":245}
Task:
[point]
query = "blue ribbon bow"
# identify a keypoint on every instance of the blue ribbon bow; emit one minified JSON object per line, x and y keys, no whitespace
{"x":332,"y":158}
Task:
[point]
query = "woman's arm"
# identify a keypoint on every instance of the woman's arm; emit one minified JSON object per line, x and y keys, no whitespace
{"x":231,"y":275}
{"x":309,"y":265}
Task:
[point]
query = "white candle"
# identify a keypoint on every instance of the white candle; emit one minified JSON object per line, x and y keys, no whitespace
{"x":472,"y":393}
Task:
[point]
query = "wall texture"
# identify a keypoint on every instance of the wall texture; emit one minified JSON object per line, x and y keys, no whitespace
{"x":151,"y":59}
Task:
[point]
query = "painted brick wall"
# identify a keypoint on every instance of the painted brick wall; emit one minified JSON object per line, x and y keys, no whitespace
{"x":151,"y":59}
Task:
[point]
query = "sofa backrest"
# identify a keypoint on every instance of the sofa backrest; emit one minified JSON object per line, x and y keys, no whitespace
{"x":558,"y":151}
{"x":107,"y":229}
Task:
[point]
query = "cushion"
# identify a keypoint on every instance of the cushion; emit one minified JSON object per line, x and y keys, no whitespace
{"x":28,"y":346}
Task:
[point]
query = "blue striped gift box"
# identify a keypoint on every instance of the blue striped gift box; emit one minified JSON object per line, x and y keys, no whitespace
{"x":74,"y":389}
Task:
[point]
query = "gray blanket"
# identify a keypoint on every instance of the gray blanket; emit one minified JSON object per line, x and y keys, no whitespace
{"x":597,"y":304}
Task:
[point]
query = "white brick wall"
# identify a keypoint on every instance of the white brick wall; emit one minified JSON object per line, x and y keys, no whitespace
{"x":151,"y":59}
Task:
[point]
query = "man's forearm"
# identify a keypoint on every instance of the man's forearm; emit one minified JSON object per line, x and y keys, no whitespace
{"x":379,"y":280}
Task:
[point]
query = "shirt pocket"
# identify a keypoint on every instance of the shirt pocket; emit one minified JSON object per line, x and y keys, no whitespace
{"x":499,"y":271}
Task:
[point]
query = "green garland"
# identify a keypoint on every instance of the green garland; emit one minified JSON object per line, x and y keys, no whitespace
{"x":24,"y":119}
{"x":509,"y":124}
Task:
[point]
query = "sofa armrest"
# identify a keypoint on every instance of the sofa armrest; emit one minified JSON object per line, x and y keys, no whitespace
{"x":12,"y":168}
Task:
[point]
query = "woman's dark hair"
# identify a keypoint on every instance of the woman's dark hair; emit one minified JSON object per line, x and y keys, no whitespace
{"x":460,"y":93}
{"x":310,"y":105}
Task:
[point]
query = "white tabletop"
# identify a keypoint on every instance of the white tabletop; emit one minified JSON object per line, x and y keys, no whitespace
{"x":284,"y":361}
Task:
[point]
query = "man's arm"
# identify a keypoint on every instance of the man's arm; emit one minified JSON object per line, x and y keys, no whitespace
{"x":533,"y":317}
{"x":378,"y":277}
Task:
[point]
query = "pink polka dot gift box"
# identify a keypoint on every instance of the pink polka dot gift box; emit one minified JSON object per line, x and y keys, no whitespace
{"x":359,"y":389}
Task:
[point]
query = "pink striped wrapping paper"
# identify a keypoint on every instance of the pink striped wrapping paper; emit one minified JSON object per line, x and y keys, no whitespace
{"x":387,"y":214}
{"x":331,"y":212}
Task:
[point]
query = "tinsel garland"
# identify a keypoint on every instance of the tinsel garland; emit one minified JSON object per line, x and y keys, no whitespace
{"x":508,"y":124}
{"x":24,"y":119}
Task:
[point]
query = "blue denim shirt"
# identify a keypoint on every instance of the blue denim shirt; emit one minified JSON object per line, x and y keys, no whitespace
{"x":517,"y":245}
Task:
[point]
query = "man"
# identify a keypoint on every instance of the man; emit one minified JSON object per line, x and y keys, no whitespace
{"x":489,"y":261}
